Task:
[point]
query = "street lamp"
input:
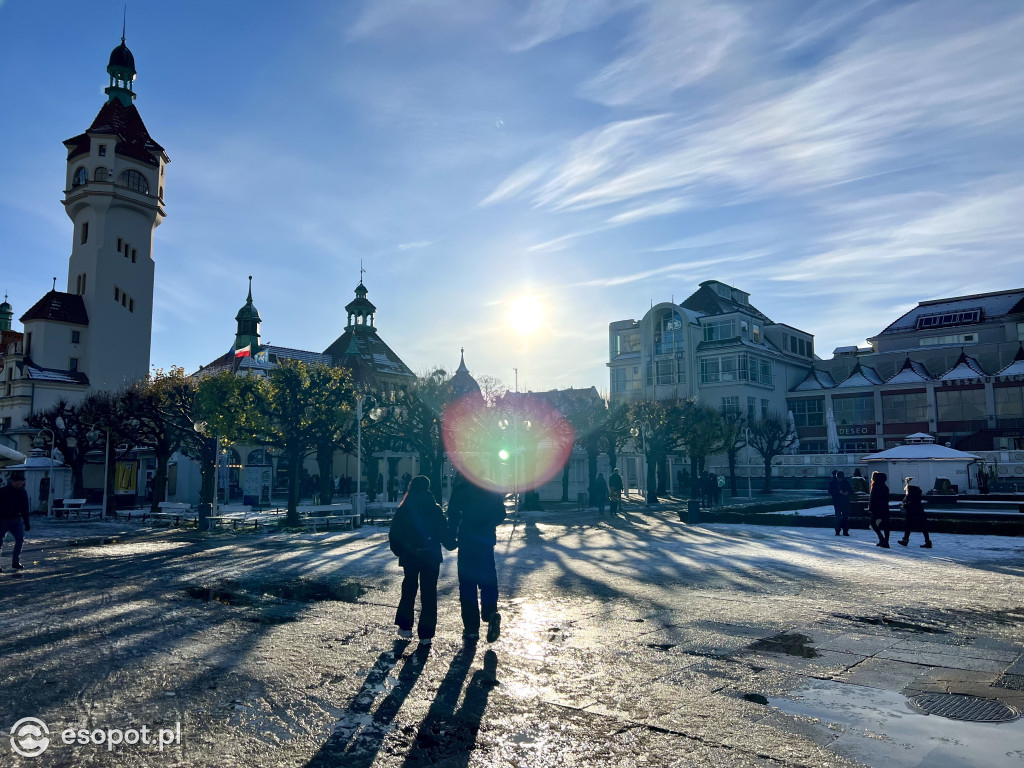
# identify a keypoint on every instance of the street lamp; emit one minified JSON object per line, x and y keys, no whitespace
{"x":93,"y":435}
{"x":644,"y":433}
{"x":750,"y":492}
{"x":40,"y":443}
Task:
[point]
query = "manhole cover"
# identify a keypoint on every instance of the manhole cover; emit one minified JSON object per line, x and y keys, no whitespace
{"x":970,"y":708}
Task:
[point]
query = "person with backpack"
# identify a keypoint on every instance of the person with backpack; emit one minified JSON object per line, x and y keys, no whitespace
{"x":913,"y":510}
{"x":14,"y":515}
{"x":473,"y":514}
{"x":416,"y":534}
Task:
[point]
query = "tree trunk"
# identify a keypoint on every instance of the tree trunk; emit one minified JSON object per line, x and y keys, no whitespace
{"x":652,"y":479}
{"x":694,"y":479}
{"x":612,"y":458}
{"x":159,"y":482}
{"x":294,"y":464}
{"x":565,"y":480}
{"x":325,"y":465}
{"x":768,"y":475}
{"x":732,"y":471}
{"x":392,"y":490}
{"x":109,"y":479}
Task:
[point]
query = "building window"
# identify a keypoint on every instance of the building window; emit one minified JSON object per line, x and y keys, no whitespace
{"x":28,"y":344}
{"x":808,"y":413}
{"x":951,"y":339}
{"x":1009,"y":402}
{"x":117,"y":293}
{"x":854,"y":410}
{"x":857,"y":446}
{"x":757,"y":332}
{"x":119,"y":244}
{"x":764,"y":409}
{"x":134,"y":180}
{"x":83,"y":282}
{"x":85,"y":232}
{"x":710,"y":370}
{"x":78,"y":285}
{"x":81,"y":177}
{"x":101,"y":174}
{"x":949,"y":318}
{"x":124,"y":299}
{"x":793,"y":344}
{"x":960,"y":404}
{"x":626,"y":379}
{"x":668,"y":333}
{"x":102,"y":150}
{"x":133,"y":255}
{"x":751,"y":409}
{"x":905,"y":408}
{"x":131,"y":305}
{"x":813,"y":446}
{"x":76,"y":337}
{"x":731,"y":406}
{"x":73,"y":364}
{"x":719,"y":329}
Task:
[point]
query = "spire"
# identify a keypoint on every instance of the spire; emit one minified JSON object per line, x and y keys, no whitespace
{"x":360,"y":310}
{"x":121,"y":68}
{"x":462,"y":362}
{"x":6,"y":314}
{"x":248,"y":324}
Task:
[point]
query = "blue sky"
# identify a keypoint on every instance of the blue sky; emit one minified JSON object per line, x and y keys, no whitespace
{"x":840,"y":161}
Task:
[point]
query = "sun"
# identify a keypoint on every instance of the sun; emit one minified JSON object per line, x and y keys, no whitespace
{"x":526,"y":315}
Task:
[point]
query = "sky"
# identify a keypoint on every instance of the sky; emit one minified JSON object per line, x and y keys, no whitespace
{"x":514,"y":175}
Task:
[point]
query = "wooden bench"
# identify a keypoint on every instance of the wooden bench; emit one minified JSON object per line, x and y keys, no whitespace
{"x":171,"y":512}
{"x":381,"y":511}
{"x":312,"y":521}
{"x":326,"y":513}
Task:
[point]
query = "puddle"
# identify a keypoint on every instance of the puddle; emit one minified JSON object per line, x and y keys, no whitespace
{"x":294,"y":590}
{"x":880,"y":728}
{"x":894,"y":624}
{"x":791,"y":644}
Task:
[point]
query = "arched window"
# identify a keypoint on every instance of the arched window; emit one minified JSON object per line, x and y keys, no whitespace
{"x":80,"y":178}
{"x":100,"y":174}
{"x":132,"y":179}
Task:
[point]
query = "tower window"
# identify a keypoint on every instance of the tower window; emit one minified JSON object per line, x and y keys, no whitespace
{"x":78,"y":285}
{"x":100,"y":174}
{"x":131,"y":305}
{"x":76,"y":337}
{"x":124,"y":299}
{"x":133,"y":255}
{"x":73,"y":364}
{"x":81,"y":177}
{"x":85,"y":232}
{"x":102,"y":150}
{"x":119,"y":243}
{"x":134,"y":180}
{"x":117,"y":293}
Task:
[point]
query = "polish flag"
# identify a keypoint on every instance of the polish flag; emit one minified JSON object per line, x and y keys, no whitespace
{"x":245,"y":351}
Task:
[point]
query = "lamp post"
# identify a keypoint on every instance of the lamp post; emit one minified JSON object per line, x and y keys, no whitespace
{"x":644,"y":433}
{"x":359,"y":444}
{"x":93,"y":435}
{"x":49,"y":467}
{"x":750,"y":492}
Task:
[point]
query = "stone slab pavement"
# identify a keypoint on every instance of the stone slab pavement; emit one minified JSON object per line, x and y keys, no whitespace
{"x":634,"y":641}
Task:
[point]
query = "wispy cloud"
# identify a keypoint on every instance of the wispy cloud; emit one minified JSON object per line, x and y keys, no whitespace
{"x":415,"y":245}
{"x":548,"y":20}
{"x":680,"y":271}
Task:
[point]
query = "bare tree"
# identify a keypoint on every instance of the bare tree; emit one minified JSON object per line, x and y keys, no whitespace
{"x":770,"y":437}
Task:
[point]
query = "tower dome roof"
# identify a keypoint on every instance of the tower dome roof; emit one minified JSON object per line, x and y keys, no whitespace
{"x":248,"y":310}
{"x":122,"y":58}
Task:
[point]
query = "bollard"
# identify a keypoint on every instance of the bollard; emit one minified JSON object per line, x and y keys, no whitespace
{"x":204,"y":516}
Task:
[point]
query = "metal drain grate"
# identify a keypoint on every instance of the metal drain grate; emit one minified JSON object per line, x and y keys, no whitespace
{"x":970,"y":708}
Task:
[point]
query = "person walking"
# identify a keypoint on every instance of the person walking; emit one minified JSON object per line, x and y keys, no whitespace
{"x":878,"y":508}
{"x":599,"y":493}
{"x":473,"y":514}
{"x":14,"y":515}
{"x":415,"y":537}
{"x":614,"y":492}
{"x":913,"y":510}
{"x":839,"y":490}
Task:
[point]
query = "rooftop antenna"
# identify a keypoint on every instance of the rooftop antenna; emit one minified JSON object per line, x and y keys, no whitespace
{"x":54,"y":284}
{"x":361,"y":270}
{"x":124,"y":21}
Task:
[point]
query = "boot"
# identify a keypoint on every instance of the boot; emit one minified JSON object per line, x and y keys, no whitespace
{"x":903,"y":542}
{"x":926,"y":545}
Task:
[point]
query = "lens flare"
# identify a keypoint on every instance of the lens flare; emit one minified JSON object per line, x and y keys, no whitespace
{"x":519,"y":444}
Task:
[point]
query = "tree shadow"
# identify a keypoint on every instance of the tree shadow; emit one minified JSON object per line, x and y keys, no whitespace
{"x":358,"y":734}
{"x":449,"y":732}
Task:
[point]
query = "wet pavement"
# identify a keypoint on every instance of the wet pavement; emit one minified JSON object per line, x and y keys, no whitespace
{"x":629,"y":642}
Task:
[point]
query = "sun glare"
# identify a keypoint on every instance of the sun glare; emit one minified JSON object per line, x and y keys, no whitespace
{"x":526,"y":315}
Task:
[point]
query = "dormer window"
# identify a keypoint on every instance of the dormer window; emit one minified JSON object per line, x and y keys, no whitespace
{"x":81,"y":177}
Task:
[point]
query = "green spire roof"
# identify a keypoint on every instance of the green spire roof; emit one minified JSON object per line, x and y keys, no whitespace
{"x":121,"y":68}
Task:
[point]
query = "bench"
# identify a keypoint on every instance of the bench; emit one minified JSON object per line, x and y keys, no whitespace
{"x":380,"y":511}
{"x":348,"y":522}
{"x":170,"y":512}
{"x":235,"y":520}
{"x":326,"y":513}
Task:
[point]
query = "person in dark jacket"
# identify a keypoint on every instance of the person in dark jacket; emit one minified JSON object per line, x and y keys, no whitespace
{"x":415,"y":537}
{"x":599,"y":493}
{"x":14,"y":515}
{"x":839,"y":489}
{"x":878,"y":507}
{"x":473,"y":514}
{"x":913,"y":509}
{"x":614,"y":491}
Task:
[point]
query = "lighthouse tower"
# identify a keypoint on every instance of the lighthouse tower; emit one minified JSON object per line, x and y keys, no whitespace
{"x":114,"y":195}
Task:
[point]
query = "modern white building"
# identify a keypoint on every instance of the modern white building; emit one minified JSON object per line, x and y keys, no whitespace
{"x":95,"y":335}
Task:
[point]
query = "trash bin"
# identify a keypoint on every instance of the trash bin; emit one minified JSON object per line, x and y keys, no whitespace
{"x":582,"y":501}
{"x":692,"y":512}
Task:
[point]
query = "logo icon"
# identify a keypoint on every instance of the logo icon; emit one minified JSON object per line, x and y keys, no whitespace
{"x":29,"y":737}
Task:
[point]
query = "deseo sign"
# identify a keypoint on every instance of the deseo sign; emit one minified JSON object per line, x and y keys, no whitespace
{"x":844,"y":431}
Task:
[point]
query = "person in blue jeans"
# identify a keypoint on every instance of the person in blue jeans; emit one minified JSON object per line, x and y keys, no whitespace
{"x":14,"y":515}
{"x":473,"y":514}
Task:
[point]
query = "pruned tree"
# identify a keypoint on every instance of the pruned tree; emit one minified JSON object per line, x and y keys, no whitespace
{"x":415,"y":421}
{"x":656,"y":431}
{"x":770,"y":437}
{"x":700,"y":434}
{"x":72,"y":437}
{"x":733,"y":439}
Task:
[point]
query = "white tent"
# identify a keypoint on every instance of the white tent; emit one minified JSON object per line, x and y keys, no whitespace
{"x":922,"y":459}
{"x":9,"y":454}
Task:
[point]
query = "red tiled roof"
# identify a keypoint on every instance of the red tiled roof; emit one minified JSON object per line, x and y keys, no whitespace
{"x":61,"y":307}
{"x":115,"y":119}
